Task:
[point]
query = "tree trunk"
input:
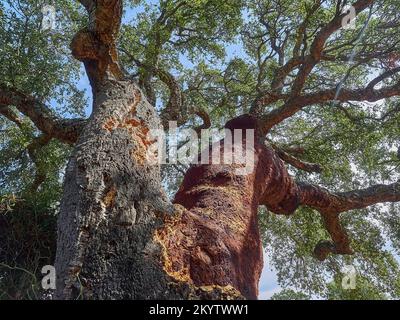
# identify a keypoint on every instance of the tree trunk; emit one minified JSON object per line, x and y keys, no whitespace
{"x":214,"y":238}
{"x":119,"y":238}
{"x":111,"y":204}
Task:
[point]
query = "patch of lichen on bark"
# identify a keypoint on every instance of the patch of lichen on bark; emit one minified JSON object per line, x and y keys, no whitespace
{"x":231,"y":190}
{"x":215,"y":292}
{"x":237,"y":224}
{"x":235,"y":196}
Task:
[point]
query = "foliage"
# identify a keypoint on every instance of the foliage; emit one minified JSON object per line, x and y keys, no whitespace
{"x":27,"y":243}
{"x":38,"y":61}
{"x":290,"y":242}
{"x":289,"y":294}
{"x":363,"y":291}
{"x":224,"y":54}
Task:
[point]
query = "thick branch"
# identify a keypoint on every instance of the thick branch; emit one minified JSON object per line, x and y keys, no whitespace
{"x":294,"y":105}
{"x":203,"y":115}
{"x":321,"y":199}
{"x":174,"y":110}
{"x":66,"y":130}
{"x":283,"y":195}
{"x":95,"y":45}
{"x":330,"y":205}
{"x":104,"y":18}
{"x":340,"y":243}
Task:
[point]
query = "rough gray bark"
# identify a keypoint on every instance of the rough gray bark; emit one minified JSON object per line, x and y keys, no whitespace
{"x":110,"y":204}
{"x":113,"y":204}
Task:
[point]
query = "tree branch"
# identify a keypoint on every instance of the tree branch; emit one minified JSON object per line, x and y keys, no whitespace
{"x":176,"y":109}
{"x":364,"y":94}
{"x":32,"y":148}
{"x":40,"y":174}
{"x":330,"y":205}
{"x":66,"y":130}
{"x":317,"y":46}
{"x":340,"y":243}
{"x":95,"y":45}
{"x":321,"y":199}
{"x":205,"y":117}
{"x":295,"y":162}
{"x":10,"y":115}
{"x":307,"y":65}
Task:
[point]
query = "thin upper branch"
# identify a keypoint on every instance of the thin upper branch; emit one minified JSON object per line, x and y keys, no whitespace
{"x":176,"y":108}
{"x":306,"y":64}
{"x":317,"y":46}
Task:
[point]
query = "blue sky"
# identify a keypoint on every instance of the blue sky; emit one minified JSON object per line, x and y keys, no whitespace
{"x":268,"y":282}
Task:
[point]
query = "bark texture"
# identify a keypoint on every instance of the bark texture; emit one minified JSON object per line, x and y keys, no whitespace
{"x":111,"y":199}
{"x":114,"y":216}
{"x":214,"y":239}
{"x":119,"y":237}
{"x":113,"y":210}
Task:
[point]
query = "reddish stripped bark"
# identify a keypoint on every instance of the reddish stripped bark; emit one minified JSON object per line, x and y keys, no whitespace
{"x":214,"y":239}
{"x":330,"y":205}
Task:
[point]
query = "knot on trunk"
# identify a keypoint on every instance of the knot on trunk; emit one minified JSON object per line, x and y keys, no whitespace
{"x":85,"y":46}
{"x":100,"y":58}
